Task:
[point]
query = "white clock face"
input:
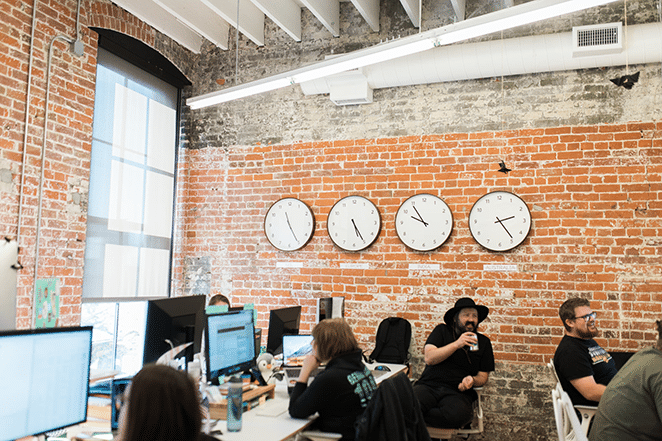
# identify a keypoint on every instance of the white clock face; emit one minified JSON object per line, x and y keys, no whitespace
{"x":289,"y":224}
{"x":424,"y":222}
{"x":354,"y":223}
{"x":499,"y":221}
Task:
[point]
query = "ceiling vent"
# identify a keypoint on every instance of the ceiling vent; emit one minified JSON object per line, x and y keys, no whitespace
{"x":597,"y":39}
{"x":349,"y":88}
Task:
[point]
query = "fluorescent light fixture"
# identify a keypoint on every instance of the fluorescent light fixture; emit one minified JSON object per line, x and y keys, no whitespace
{"x":527,"y":13}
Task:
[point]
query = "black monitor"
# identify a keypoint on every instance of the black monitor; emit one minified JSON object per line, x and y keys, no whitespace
{"x":177,"y":320}
{"x":229,"y":343}
{"x":47,"y":373}
{"x":282,"y":321}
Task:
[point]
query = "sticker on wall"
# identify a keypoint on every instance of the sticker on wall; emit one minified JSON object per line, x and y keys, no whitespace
{"x":47,"y":303}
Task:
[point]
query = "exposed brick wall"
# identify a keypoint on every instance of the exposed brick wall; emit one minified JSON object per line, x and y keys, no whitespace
{"x":594,"y":195}
{"x":67,"y":157}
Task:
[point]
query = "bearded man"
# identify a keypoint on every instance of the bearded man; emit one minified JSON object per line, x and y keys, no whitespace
{"x":457,"y":359}
{"x":583,"y":367}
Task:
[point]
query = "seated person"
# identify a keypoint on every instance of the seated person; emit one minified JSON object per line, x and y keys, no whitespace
{"x":453,"y":367}
{"x":583,"y":367}
{"x":163,"y":405}
{"x":631,"y":405}
{"x":218,"y":300}
{"x":339,"y":393}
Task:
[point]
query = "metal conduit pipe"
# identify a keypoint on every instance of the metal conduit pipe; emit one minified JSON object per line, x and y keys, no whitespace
{"x":40,"y":191}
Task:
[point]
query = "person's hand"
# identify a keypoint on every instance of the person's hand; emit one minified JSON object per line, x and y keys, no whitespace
{"x":467,"y":339}
{"x":467,"y":383}
{"x":310,"y":363}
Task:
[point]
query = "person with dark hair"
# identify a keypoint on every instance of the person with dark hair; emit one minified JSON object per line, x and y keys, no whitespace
{"x":218,"y":300}
{"x":341,"y":392}
{"x":457,"y":359}
{"x":583,"y":367}
{"x":631,"y":406}
{"x":163,"y":405}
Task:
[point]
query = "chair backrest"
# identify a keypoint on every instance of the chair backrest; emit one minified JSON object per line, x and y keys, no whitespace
{"x":568,"y":426}
{"x":551,"y":367}
{"x":392,"y":341}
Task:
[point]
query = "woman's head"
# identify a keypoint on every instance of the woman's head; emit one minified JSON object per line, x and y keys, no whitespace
{"x":332,"y":338}
{"x":163,"y":405}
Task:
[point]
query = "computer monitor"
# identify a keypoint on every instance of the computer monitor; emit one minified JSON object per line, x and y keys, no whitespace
{"x":177,"y":320}
{"x":47,"y":373}
{"x":282,"y":321}
{"x":229,"y":343}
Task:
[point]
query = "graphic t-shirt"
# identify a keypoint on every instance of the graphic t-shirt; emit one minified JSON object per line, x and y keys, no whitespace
{"x":578,"y":358}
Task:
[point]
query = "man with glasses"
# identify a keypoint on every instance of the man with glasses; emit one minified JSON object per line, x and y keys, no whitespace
{"x":583,"y":367}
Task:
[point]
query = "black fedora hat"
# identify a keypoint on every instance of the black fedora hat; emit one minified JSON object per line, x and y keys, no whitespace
{"x":465,"y":302}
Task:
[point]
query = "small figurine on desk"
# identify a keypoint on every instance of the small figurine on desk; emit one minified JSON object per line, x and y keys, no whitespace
{"x":265,"y":364}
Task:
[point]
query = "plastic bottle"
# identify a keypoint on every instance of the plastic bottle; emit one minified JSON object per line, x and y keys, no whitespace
{"x":235,"y":404}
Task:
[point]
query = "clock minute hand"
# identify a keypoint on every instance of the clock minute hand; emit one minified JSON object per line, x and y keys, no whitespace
{"x":500,"y":221}
{"x":356,"y":230}
{"x":420,"y":218}
{"x":289,"y":225}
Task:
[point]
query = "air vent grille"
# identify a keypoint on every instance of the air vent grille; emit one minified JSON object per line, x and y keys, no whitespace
{"x":597,"y":39}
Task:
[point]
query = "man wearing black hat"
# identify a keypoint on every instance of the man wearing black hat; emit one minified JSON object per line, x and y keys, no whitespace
{"x":457,"y":359}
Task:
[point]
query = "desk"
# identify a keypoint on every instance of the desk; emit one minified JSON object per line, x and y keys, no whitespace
{"x":394,"y":370}
{"x":256,"y":427}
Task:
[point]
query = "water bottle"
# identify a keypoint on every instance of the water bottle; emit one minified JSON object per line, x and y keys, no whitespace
{"x":235,"y":404}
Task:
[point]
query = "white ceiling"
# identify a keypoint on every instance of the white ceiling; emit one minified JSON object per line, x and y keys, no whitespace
{"x":190,"y":22}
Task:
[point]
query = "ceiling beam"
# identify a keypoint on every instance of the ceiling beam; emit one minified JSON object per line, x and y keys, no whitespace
{"x":413,"y":10}
{"x":251,"y":19}
{"x":163,"y":21}
{"x":369,"y":9}
{"x":459,"y":8}
{"x":200,"y":18}
{"x":285,"y":13}
{"x":327,"y":12}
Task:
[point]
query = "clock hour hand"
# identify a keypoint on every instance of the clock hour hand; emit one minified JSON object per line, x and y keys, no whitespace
{"x":356,"y":230}
{"x":419,"y":218}
{"x":500,"y":221}
{"x":289,"y":225}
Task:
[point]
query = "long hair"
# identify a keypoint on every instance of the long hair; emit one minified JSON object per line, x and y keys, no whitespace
{"x":163,"y":406}
{"x":659,"y":334}
{"x":333,"y":337}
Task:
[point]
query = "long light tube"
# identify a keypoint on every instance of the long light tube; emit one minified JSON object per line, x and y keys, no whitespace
{"x":527,"y":13}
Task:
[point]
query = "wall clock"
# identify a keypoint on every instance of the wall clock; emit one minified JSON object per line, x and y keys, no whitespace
{"x":354,"y":223}
{"x":289,"y":224}
{"x":499,"y":221}
{"x":424,"y":222}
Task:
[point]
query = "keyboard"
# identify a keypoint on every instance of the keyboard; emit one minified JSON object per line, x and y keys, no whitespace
{"x":293,"y":372}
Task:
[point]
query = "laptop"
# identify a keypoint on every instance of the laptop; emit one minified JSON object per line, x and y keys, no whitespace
{"x":295,"y":350}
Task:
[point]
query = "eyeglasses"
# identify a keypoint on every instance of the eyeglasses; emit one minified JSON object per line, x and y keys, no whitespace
{"x":588,"y":316}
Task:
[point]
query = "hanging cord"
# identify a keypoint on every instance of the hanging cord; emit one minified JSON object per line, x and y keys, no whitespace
{"x":236,"y":50}
{"x":627,"y":51}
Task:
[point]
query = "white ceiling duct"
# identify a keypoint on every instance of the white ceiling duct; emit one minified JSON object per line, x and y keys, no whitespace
{"x":517,"y":56}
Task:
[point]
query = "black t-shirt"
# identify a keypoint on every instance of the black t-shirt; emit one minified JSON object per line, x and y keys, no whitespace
{"x":461,"y":363}
{"x":578,"y":358}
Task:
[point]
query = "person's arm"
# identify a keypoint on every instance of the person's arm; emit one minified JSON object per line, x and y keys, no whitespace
{"x":473,"y":381}
{"x":435,"y":355}
{"x":589,"y":389}
{"x":305,"y":401}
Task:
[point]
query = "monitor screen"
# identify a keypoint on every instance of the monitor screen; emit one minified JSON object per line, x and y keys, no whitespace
{"x":282,"y":321}
{"x":296,"y":348}
{"x":175,"y":320}
{"x":46,"y":373}
{"x":230,"y":343}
